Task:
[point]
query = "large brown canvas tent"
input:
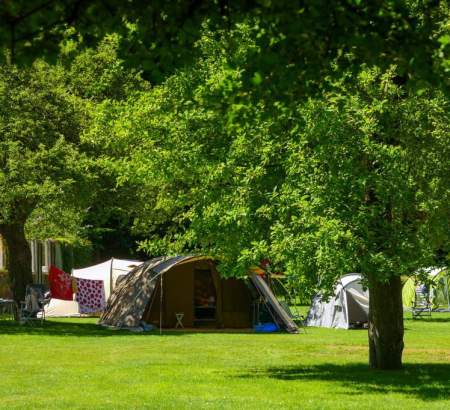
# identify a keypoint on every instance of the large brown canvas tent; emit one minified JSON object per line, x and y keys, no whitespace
{"x":161,"y":288}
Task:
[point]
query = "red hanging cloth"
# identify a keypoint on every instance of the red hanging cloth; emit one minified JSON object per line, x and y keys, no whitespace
{"x":60,"y":284}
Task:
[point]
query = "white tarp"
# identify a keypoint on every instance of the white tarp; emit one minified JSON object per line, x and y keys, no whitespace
{"x":62,"y":308}
{"x":113,"y":268}
{"x":348,"y":305}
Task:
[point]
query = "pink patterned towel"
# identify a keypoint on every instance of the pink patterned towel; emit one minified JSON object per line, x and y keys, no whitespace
{"x":90,"y":295}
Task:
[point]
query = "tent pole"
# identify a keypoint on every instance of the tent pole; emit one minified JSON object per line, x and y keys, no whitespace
{"x":111,"y":277}
{"x":446,"y":288}
{"x":160,"y":306}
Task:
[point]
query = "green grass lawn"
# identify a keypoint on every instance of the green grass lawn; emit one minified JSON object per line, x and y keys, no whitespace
{"x":75,"y":364}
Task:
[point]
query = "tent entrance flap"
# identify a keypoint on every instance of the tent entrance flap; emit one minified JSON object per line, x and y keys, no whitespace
{"x":125,"y":308}
{"x":272,"y":301}
{"x":205,"y":297}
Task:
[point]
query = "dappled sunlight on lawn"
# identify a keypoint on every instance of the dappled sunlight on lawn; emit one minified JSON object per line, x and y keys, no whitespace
{"x":425,"y":381}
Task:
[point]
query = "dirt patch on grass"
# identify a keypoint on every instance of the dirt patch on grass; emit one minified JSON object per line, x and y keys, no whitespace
{"x":348,"y":348}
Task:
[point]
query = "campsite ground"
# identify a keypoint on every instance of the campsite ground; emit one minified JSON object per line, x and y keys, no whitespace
{"x":75,"y":364}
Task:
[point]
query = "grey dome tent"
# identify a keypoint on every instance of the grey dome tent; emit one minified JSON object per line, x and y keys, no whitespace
{"x":161,"y":288}
{"x":348,"y":306}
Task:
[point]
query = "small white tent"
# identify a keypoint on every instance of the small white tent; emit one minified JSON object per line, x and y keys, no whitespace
{"x":348,"y":305}
{"x":108,"y":272}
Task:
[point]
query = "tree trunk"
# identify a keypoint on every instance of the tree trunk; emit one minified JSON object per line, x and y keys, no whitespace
{"x":385,"y":324}
{"x":19,"y":259}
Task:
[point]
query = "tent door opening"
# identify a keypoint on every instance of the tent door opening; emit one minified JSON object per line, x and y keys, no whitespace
{"x":205,"y":298}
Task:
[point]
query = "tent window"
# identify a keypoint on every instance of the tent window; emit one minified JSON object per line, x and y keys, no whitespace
{"x":204,"y":296}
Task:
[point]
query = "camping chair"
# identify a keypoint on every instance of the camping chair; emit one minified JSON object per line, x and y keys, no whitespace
{"x":422,"y":304}
{"x":32,"y":308}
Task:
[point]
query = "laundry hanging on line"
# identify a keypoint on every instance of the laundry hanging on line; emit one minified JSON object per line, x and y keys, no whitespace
{"x":90,"y":295}
{"x":60,"y":284}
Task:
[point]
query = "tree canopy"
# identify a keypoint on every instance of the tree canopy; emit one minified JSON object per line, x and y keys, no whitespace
{"x":230,"y":162}
{"x":247,"y":174}
{"x":48,"y":175}
{"x":157,"y":37}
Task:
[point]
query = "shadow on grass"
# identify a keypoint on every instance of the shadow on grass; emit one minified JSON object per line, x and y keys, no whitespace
{"x":424,"y":381}
{"x":436,"y":317}
{"x":429,"y":320}
{"x":55,"y":328}
{"x":81,"y":327}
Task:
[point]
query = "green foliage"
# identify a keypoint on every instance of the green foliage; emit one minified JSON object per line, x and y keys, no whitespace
{"x":366,"y":179}
{"x":40,"y":125}
{"x":157,"y":37}
{"x":315,"y":135}
{"x":99,"y":73}
{"x":49,"y":177}
{"x":227,"y":162}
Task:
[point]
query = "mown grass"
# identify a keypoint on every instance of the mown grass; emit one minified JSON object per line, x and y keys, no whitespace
{"x":76,"y":364}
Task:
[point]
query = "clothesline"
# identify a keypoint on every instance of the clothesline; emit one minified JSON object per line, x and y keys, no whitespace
{"x":89,"y":293}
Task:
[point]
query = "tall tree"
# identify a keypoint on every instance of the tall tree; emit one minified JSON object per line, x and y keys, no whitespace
{"x":348,"y":180}
{"x":49,"y":176}
{"x":370,"y":190}
{"x":40,"y":162}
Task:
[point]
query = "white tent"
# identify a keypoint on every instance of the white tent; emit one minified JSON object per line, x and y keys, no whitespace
{"x":348,"y":305}
{"x":108,"y":272}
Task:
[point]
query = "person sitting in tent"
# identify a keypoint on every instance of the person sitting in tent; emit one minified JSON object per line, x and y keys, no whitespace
{"x":422,"y":289}
{"x":422,"y":305}
{"x":425,"y":290}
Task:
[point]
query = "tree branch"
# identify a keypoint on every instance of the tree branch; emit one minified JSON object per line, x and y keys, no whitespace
{"x":12,"y":45}
{"x":29,"y":13}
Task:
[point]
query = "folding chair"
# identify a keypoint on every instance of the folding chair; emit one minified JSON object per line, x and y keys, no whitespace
{"x":179,"y":317}
{"x":422,"y":305}
{"x":32,"y":308}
